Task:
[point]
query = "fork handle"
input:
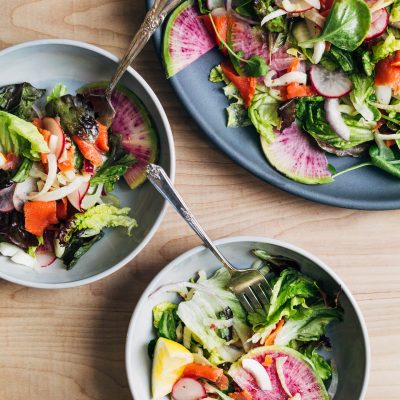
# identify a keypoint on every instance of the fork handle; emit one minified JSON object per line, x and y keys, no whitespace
{"x":153,"y":19}
{"x":158,"y":177}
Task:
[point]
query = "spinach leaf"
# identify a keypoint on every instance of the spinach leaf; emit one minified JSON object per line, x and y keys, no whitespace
{"x":114,"y":167}
{"x":18,"y":99}
{"x":342,"y":58}
{"x":23,"y":171}
{"x":346,"y":25}
{"x":385,"y":159}
{"x":310,"y":111}
{"x":76,"y":115}
{"x":364,"y":59}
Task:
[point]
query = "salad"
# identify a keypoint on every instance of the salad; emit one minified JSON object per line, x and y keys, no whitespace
{"x":59,"y":167}
{"x":313,"y":77}
{"x":208,"y":347}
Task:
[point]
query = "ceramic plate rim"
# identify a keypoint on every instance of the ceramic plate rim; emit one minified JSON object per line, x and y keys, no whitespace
{"x":230,"y":240}
{"x":171,"y":150}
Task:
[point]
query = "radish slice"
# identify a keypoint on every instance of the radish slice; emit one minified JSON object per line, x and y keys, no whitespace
{"x":295,"y":6}
{"x":76,"y":197}
{"x":281,"y":375}
{"x":335,"y":119}
{"x":53,"y":126}
{"x":331,"y":84}
{"x":259,"y":373}
{"x":6,"y":199}
{"x":51,"y":177}
{"x":45,"y":259}
{"x":272,"y":15}
{"x":188,"y":389}
{"x":383,"y":94}
{"x":379,"y":23}
{"x":22,"y":191}
{"x":58,"y":194}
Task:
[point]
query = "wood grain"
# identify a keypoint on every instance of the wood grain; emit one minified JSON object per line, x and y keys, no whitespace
{"x":69,"y":344}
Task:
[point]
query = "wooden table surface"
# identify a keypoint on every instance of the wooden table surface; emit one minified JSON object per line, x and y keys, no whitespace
{"x":69,"y":344}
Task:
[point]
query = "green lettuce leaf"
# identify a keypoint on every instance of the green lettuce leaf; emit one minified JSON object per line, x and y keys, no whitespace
{"x":23,"y":171}
{"x":385,"y":48}
{"x":237,"y":114}
{"x":20,"y":137}
{"x":385,"y":159}
{"x":58,"y":91}
{"x":321,"y":366}
{"x":395,"y":12}
{"x":363,"y":90}
{"x":310,"y":111}
{"x":203,"y":307}
{"x":165,"y":320}
{"x":263,"y":113}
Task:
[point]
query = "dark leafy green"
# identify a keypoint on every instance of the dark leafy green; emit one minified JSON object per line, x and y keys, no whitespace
{"x":346,"y":25}
{"x":202,"y":7}
{"x":18,"y":99}
{"x":78,"y":246}
{"x":343,"y":59}
{"x":320,"y":365}
{"x":78,"y":157}
{"x":77,"y":116}
{"x":310,"y":111}
{"x":385,"y":159}
{"x":114,"y":167}
{"x":23,"y":171}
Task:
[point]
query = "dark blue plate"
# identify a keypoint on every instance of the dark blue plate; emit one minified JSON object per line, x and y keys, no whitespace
{"x":368,"y":188}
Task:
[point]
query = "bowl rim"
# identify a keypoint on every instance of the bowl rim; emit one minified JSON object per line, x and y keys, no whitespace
{"x":171,"y":150}
{"x":235,"y":239}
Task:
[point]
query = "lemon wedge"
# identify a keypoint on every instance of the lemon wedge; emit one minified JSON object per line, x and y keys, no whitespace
{"x":170,"y":359}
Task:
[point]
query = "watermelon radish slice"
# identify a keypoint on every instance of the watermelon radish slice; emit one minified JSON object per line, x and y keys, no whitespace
{"x":295,"y":155}
{"x":299,"y":376}
{"x":243,"y":37}
{"x":186,"y":39}
{"x":133,"y":124}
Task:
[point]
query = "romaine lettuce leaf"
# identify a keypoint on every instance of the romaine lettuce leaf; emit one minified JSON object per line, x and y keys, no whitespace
{"x":20,"y":137}
{"x":386,"y":47}
{"x":204,"y":307}
{"x":263,"y":113}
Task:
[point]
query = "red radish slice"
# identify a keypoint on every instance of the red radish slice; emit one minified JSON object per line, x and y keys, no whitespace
{"x":22,"y":191}
{"x":330,"y":84}
{"x":186,"y":39}
{"x":53,"y":126}
{"x":76,"y":197}
{"x":45,"y":259}
{"x":298,"y":6}
{"x":188,"y":389}
{"x":379,"y":23}
{"x":6,"y":199}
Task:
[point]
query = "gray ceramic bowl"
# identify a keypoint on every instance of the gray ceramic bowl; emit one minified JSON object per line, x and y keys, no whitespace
{"x":45,"y":63}
{"x":349,"y":338}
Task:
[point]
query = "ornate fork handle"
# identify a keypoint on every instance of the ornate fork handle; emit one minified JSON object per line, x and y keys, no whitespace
{"x":158,"y":177}
{"x":153,"y":19}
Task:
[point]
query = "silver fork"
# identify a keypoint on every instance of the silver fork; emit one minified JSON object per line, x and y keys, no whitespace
{"x":249,"y":285}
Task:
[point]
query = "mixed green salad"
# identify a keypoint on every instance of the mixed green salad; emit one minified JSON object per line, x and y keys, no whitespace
{"x":59,"y":166}
{"x":312,"y":76}
{"x":208,"y":347}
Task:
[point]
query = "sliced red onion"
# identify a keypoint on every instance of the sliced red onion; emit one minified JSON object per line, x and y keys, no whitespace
{"x":45,"y":259}
{"x":280,"y":361}
{"x":274,"y":14}
{"x":88,"y":167}
{"x":259,"y":373}
{"x":335,"y":119}
{"x":22,"y":192}
{"x":6,"y":198}
{"x":228,"y":5}
{"x":383,"y":94}
{"x":314,"y":3}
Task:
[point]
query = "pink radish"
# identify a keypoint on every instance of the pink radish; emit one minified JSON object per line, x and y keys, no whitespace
{"x":188,"y":389}
{"x":379,"y":23}
{"x":76,"y":197}
{"x":6,"y":198}
{"x":45,"y":259}
{"x":330,"y":84}
{"x":53,"y":126}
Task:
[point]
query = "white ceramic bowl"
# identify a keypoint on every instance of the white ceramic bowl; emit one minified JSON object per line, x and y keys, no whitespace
{"x":349,"y":338}
{"x":45,"y":63}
